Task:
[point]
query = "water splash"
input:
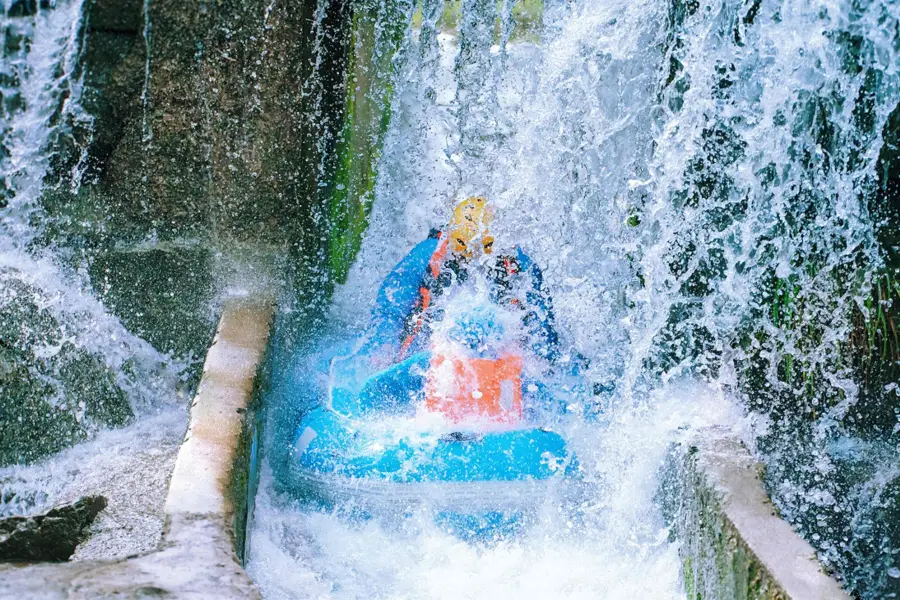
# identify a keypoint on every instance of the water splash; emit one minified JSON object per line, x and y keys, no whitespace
{"x":695,"y":180}
{"x":129,"y":466}
{"x":40,"y":111}
{"x":428,"y":160}
{"x":42,"y":74}
{"x":42,"y":83}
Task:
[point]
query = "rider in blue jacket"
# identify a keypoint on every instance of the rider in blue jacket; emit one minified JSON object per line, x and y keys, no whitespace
{"x":404,"y":305}
{"x":398,"y":334}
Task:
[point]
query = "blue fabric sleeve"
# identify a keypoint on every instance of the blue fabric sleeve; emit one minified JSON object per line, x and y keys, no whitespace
{"x":399,"y":293}
{"x":539,"y":320}
{"x":397,"y":388}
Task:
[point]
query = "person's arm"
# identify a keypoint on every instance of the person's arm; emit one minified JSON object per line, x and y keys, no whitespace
{"x":398,"y":296}
{"x":539,"y":319}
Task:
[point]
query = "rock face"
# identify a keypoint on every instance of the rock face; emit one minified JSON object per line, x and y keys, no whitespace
{"x":52,"y":536}
{"x":203,"y":124}
{"x":235,"y":123}
{"x":53,"y":392}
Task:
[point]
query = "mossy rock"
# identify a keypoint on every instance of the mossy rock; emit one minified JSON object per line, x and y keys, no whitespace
{"x":54,"y":393}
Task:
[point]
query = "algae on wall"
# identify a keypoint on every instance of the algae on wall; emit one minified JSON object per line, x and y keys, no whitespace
{"x":716,"y":561}
{"x":377,"y":32}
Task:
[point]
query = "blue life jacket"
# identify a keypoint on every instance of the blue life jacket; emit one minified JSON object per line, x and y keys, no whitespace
{"x":403,"y":299}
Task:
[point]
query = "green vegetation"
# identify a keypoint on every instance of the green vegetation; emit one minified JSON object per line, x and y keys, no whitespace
{"x":527,"y":16}
{"x":366,"y":115}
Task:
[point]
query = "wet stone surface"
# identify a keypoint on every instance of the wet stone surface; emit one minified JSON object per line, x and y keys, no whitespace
{"x":52,"y":536}
{"x":54,"y":393}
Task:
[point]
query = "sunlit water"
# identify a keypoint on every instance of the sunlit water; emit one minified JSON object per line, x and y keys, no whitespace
{"x":670,"y":166}
{"x":621,"y":549}
{"x":41,"y":65}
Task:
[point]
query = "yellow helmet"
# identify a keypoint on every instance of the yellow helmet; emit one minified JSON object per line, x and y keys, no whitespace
{"x":470,"y":221}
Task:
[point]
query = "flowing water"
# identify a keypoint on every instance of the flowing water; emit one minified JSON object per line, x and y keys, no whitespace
{"x":695,"y":179}
{"x":42,"y":45}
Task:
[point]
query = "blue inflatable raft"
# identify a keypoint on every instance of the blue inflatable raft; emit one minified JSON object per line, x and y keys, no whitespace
{"x":374,"y":449}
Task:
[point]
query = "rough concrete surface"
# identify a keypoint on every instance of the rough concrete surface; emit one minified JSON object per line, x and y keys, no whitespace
{"x":733,"y":544}
{"x":196,"y":558}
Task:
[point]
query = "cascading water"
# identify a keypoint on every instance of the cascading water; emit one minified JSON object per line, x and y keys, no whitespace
{"x":699,"y":181}
{"x":68,"y":368}
{"x":696,"y":181}
{"x":429,"y":159}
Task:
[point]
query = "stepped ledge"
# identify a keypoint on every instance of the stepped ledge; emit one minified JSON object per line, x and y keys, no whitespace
{"x":732,"y":543}
{"x":197,"y":557}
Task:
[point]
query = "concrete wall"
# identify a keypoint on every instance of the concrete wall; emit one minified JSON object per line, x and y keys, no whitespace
{"x":196,"y":558}
{"x":733,"y":544}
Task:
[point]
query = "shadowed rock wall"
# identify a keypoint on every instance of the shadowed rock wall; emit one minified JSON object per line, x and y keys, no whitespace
{"x":211,"y":136}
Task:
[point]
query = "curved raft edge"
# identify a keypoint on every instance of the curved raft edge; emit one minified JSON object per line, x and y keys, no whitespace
{"x":336,"y":460}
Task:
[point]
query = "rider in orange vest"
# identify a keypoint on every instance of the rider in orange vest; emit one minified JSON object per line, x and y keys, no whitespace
{"x":400,"y":330}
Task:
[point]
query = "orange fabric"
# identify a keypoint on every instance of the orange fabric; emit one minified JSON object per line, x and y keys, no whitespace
{"x":404,"y":347}
{"x":476,"y":387}
{"x":437,"y":259}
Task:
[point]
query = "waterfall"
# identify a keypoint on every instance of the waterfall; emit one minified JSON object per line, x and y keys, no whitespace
{"x":701,"y":181}
{"x":697,"y":181}
{"x":70,"y":369}
{"x":41,"y":71}
{"x":43,"y":60}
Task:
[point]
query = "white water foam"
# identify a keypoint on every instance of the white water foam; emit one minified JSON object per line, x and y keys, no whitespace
{"x":622,"y":548}
{"x":664,"y":163}
{"x":130,"y":466}
{"x":621,"y":551}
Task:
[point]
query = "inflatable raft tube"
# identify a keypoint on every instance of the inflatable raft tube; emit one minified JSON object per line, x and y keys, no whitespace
{"x":377,"y":468}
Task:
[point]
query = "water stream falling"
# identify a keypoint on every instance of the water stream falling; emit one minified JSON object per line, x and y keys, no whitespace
{"x":695,"y":180}
{"x":42,"y":81}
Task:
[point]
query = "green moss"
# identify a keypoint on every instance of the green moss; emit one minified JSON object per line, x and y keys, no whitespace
{"x":367,"y":112}
{"x":240,"y":489}
{"x":715,"y":560}
{"x":449,"y":20}
{"x":528,"y":16}
{"x":687,"y":573}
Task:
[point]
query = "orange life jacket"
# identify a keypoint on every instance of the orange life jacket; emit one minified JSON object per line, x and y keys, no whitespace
{"x":472,"y":388}
{"x":507,"y":267}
